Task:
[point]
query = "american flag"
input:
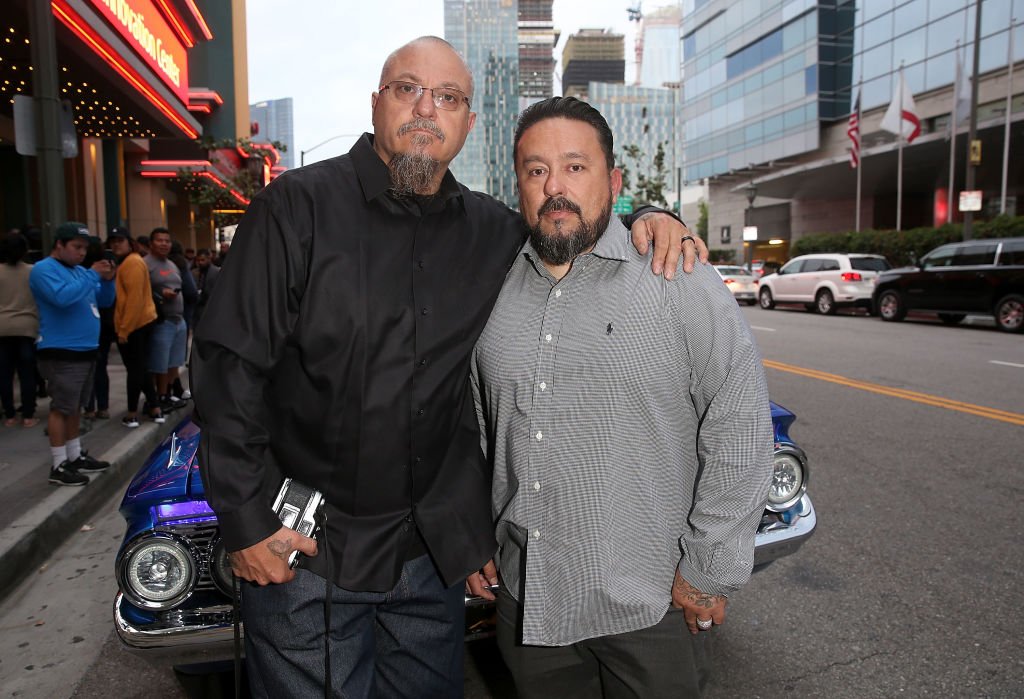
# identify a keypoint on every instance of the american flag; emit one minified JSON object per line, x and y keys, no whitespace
{"x":853,"y":131}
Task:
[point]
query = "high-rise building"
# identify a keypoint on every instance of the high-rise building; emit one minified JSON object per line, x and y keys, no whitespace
{"x":643,"y":117}
{"x":657,"y":48}
{"x":537,"y":39}
{"x":592,"y":55}
{"x":767,"y":95}
{"x":275,"y":124}
{"x":486,"y":33}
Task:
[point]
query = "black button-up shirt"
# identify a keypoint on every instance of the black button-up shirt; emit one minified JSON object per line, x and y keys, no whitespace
{"x":336,"y":351}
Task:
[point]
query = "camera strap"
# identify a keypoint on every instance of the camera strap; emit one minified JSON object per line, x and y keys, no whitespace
{"x":328,"y":603}
{"x":236,"y":622}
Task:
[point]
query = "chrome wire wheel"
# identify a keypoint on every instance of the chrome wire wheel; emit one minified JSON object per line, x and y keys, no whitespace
{"x":1010,"y":313}
{"x":890,"y":306}
{"x":825,"y":302}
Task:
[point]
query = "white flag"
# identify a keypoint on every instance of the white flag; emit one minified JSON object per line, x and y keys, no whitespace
{"x":901,"y":116}
{"x":962,"y":93}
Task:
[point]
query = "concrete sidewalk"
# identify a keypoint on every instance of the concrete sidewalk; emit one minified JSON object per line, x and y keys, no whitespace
{"x":35,"y":516}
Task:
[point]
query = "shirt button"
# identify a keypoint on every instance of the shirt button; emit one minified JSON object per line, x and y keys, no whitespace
{"x":420,"y":264}
{"x":423,"y":362}
{"x":536,"y":533}
{"x":547,"y":338}
{"x":420,"y":411}
{"x":424,"y":311}
{"x":536,"y":485}
{"x":543,"y":386}
{"x":558,"y":293}
{"x":419,"y":459}
{"x":540,"y":436}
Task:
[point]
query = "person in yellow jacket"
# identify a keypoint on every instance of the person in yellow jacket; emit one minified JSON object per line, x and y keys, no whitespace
{"x":134,"y":314}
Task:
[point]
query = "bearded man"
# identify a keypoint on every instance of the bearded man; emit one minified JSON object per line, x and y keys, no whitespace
{"x":626,"y":492}
{"x":336,"y":352}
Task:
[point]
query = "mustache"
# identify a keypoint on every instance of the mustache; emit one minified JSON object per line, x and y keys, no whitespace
{"x":420,"y":123}
{"x":559,"y":204}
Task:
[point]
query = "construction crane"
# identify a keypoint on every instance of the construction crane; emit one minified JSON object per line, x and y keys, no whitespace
{"x":636,"y":15}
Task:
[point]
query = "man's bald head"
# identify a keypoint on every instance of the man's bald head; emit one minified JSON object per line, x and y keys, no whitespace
{"x":385,"y":72}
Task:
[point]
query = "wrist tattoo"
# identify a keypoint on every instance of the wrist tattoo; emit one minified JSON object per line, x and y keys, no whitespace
{"x":695,"y":596}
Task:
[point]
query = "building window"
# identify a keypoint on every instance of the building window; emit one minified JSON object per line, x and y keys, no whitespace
{"x":726,"y":234}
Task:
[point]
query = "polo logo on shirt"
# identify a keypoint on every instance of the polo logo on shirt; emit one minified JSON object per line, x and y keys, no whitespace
{"x":165,"y":272}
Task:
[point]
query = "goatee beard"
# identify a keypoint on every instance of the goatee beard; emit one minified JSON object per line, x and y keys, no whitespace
{"x":561,"y":247}
{"x":413,"y":173}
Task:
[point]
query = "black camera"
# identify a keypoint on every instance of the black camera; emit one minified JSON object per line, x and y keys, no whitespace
{"x":300,"y":508}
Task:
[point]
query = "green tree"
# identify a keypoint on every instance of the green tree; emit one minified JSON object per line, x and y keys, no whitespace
{"x":702,"y":220}
{"x":651,"y":174}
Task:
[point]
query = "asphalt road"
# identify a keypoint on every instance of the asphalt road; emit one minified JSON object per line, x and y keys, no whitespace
{"x":911,"y":586}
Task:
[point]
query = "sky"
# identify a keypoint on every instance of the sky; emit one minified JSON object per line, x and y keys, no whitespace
{"x":327,"y":55}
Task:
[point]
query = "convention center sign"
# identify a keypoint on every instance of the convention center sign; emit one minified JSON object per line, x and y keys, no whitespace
{"x":144,"y":28}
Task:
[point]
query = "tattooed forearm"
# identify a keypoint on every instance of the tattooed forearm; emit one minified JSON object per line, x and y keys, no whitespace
{"x":281,"y":547}
{"x":688,"y":592}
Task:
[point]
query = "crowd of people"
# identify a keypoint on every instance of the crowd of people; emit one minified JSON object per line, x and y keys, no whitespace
{"x":60,"y":315}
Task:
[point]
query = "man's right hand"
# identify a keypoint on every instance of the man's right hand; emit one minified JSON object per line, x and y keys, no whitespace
{"x":266,"y":562}
{"x":168,"y":293}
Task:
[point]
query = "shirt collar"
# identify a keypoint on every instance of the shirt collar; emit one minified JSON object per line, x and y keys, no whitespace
{"x":375,"y":179}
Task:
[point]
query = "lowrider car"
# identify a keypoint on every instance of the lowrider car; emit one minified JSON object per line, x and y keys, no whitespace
{"x":175,"y":582}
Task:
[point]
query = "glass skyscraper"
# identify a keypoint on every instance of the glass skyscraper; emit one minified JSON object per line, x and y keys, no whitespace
{"x":486,"y":33}
{"x":276,"y":124}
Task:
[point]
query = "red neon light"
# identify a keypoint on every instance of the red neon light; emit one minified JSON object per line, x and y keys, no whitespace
{"x":158,"y":173}
{"x":199,"y":18}
{"x":177,"y":163}
{"x":205,"y":95}
{"x":72,"y":21}
{"x":179,"y":29}
{"x":201,"y":108}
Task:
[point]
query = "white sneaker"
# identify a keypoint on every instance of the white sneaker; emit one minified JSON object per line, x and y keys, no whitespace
{"x":186,"y":394}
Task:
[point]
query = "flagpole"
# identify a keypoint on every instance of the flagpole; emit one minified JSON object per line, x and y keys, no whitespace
{"x":899,"y":163}
{"x":860,"y":154}
{"x":1009,"y":107}
{"x":952,"y":134}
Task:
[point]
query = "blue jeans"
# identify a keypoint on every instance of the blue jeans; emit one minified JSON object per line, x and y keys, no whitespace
{"x":406,"y":642}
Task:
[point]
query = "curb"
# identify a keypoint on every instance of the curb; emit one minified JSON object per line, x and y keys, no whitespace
{"x":28,"y":541}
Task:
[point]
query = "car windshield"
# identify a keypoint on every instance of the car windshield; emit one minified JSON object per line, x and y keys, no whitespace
{"x":734,"y":271}
{"x":869,"y":264}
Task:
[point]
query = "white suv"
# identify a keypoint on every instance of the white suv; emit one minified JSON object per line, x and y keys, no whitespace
{"x":823,"y":282}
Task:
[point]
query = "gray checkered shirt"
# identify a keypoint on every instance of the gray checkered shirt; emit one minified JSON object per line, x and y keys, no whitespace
{"x":627,"y":419}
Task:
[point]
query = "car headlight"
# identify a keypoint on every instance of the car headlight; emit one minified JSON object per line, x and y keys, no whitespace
{"x":220,"y":567}
{"x":157,"y":571}
{"x":789,"y":479}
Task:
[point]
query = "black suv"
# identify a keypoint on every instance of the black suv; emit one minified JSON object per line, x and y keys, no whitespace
{"x":975,"y":276}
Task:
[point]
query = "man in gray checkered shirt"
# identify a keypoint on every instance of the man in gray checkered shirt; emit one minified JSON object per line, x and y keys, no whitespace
{"x":628,"y":423}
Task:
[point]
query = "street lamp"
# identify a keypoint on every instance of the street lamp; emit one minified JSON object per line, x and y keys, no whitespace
{"x":302,"y":153}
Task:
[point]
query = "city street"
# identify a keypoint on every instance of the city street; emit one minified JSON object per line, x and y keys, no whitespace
{"x":910,"y":587}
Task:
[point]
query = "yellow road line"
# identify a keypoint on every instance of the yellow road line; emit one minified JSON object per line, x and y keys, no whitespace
{"x":926,"y":399}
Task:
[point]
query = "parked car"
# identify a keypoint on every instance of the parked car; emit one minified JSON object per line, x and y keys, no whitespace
{"x":976,"y":276}
{"x":759,"y":268}
{"x":823,"y":282}
{"x":174,"y":599}
{"x":741,"y":283}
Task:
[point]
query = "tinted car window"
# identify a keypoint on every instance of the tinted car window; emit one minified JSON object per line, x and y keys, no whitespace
{"x":869,"y":264}
{"x":733,"y":271}
{"x":793,"y":267}
{"x":942,"y":257}
{"x":975,"y":255}
{"x":811,"y":265}
{"x":829,"y":266}
{"x":1012,"y":253}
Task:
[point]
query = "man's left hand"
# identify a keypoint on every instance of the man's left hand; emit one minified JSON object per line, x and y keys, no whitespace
{"x":667,"y":234}
{"x":480,"y":582}
{"x":697,"y":605}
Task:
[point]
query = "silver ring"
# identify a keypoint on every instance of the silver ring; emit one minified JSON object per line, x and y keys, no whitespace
{"x":704,"y":624}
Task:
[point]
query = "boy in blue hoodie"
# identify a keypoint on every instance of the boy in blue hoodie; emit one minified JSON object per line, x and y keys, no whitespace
{"x":69,"y":297}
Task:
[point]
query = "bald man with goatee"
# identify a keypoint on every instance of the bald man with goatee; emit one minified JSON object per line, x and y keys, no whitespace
{"x":336,"y":353}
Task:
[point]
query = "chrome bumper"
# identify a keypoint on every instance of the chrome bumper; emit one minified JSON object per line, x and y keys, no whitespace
{"x":210,"y":629}
{"x":785,"y":539}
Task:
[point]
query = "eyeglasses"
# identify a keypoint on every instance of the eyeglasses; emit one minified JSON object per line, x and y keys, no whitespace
{"x":447,"y":98}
